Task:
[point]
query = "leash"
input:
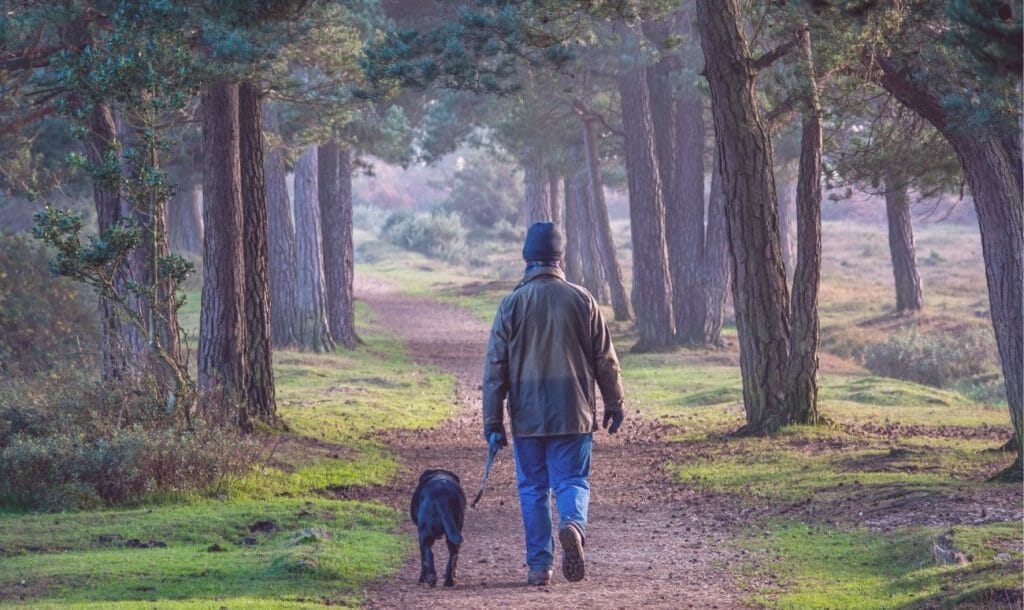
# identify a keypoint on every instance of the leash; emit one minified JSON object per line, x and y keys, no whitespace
{"x":491,"y":452}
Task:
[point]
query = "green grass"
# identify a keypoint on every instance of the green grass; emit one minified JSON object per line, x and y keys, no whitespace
{"x":77,"y":564}
{"x":815,"y":567}
{"x":338,"y":407}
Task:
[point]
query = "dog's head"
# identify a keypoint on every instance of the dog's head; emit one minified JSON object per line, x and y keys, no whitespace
{"x":437,"y":474}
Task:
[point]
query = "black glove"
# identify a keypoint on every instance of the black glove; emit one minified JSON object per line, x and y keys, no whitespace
{"x":495,"y":435}
{"x":615,"y":417}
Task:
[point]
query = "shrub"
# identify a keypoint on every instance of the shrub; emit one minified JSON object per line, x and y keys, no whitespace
{"x":440,"y":235}
{"x":936,"y":359}
{"x":369,"y":218}
{"x":77,"y":444}
{"x":45,"y":322}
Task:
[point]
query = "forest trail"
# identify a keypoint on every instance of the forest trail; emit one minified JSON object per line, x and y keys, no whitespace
{"x":650,"y":543}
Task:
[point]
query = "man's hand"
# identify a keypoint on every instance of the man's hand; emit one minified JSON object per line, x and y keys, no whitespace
{"x":496,"y":440}
{"x":615,"y":417}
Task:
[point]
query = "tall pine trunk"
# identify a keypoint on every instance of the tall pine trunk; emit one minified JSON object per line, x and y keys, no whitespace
{"x":311,"y":301}
{"x":538,"y":207}
{"x":281,"y":242}
{"x":760,"y":297}
{"x":652,"y":288}
{"x":573,"y":236}
{"x":101,"y":140}
{"x":802,"y":366}
{"x":260,"y":391}
{"x":605,"y":241}
{"x":992,"y":164}
{"x":554,"y":180}
{"x":184,"y":219}
{"x":222,"y":359}
{"x":901,"y":244}
{"x":590,"y":254}
{"x":787,"y":213}
{"x":717,"y":260}
{"x":335,"y":175}
{"x":686,"y":222}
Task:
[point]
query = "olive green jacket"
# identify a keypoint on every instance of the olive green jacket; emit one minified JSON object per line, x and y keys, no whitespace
{"x":549,"y":345}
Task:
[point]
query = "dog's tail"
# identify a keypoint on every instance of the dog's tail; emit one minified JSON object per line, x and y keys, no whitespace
{"x":451,"y":531}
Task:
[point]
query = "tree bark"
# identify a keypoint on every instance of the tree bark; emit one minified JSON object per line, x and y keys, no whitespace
{"x":538,"y":207}
{"x":802,"y":365}
{"x":717,"y":260}
{"x":335,"y":174}
{"x":685,"y":219}
{"x":101,"y":139}
{"x":787,"y":213}
{"x":185,"y":219}
{"x":760,"y":297}
{"x":157,"y":309}
{"x":573,"y":237}
{"x":992,"y":165}
{"x":281,"y":238}
{"x":222,"y":359}
{"x":311,"y":301}
{"x":901,"y":244}
{"x":605,"y":241}
{"x":553,"y":198}
{"x":590,"y":255}
{"x":260,"y":391}
{"x":652,"y":288}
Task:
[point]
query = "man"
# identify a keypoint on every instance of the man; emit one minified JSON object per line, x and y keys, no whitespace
{"x":549,"y":345}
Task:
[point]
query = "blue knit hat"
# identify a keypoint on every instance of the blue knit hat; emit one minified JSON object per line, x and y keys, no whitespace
{"x":544,"y":242}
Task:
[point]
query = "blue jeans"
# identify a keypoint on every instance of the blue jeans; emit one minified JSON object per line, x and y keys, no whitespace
{"x":543,"y":464}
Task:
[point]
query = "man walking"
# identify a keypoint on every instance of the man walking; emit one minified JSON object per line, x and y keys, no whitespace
{"x":549,"y":345}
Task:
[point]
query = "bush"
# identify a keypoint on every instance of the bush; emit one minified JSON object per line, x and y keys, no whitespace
{"x":45,"y":322}
{"x":75,"y":444}
{"x":369,"y":218}
{"x":440,"y":235}
{"x":938,"y":359}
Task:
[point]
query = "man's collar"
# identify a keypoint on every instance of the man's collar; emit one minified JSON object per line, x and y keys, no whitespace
{"x":541,"y":271}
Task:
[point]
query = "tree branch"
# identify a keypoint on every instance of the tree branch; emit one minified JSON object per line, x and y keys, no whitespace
{"x":587,"y":114}
{"x":35,"y":115}
{"x":775,"y":54}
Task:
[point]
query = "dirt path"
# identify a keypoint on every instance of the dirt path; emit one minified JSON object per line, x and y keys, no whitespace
{"x":649,"y":543}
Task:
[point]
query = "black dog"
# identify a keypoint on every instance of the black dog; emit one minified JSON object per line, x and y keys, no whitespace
{"x":438,"y":506}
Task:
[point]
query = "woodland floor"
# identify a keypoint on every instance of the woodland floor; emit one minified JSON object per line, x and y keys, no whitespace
{"x":650,"y":542}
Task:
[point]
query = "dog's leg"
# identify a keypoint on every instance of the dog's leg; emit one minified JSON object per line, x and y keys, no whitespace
{"x":427,"y":573}
{"x":453,"y":563}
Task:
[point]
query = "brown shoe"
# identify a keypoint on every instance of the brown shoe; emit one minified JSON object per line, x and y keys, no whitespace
{"x":573,"y":564}
{"x":539,"y":578}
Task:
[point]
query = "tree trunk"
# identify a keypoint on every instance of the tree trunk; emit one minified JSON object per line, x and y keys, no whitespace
{"x":554,"y":199}
{"x":685,"y":219}
{"x":802,"y":365}
{"x":901,"y":244}
{"x":281,"y":242}
{"x":311,"y":301}
{"x":222,"y":359}
{"x":787,"y":214}
{"x":760,"y":297}
{"x":335,"y":175}
{"x":605,"y":241}
{"x":260,"y":392}
{"x":590,"y":255}
{"x":652,"y":288}
{"x":992,"y":165}
{"x":717,"y":261}
{"x":573,"y":237}
{"x":100,"y":140}
{"x":185,"y":219}
{"x":538,"y":207}
{"x":157,"y":309}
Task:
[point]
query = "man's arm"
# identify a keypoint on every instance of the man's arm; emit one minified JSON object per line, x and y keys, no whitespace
{"x":495,"y":385}
{"x":607,"y":372}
